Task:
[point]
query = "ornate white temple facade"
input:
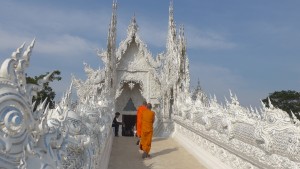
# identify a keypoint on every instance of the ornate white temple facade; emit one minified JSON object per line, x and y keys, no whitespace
{"x":219,"y":135}
{"x":131,"y":74}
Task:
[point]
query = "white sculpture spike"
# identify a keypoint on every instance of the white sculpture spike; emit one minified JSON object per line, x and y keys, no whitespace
{"x":251,"y":109}
{"x":46,"y":110}
{"x":43,"y":123}
{"x":230,"y":93}
{"x":257,"y":113}
{"x":41,"y":106}
{"x":17,"y":54}
{"x":263,"y":106}
{"x":248,"y":112}
{"x":45,"y":79}
{"x":252,"y":112}
{"x":293,"y":118}
{"x":215,"y":98}
{"x":235,"y":97}
{"x":67,"y":100}
{"x":270,"y":104}
{"x":263,"y":114}
{"x":27,"y":53}
{"x":33,"y":104}
{"x":226,"y":101}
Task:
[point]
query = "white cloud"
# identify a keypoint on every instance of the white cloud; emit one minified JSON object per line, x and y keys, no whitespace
{"x":45,"y":19}
{"x":197,"y":38}
{"x":59,"y":32}
{"x":215,"y":79}
{"x":65,"y":45}
{"x":10,"y":40}
{"x":155,"y":34}
{"x":218,"y":80}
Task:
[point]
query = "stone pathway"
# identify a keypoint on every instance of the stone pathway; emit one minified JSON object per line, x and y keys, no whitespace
{"x":165,"y":153}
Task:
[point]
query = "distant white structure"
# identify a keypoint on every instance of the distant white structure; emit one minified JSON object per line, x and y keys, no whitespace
{"x":80,"y":136}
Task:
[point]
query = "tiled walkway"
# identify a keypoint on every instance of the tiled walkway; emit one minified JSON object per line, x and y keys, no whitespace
{"x":165,"y":154}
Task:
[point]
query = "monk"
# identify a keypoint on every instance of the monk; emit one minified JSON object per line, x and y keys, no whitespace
{"x":148,"y":118}
{"x":139,"y":120}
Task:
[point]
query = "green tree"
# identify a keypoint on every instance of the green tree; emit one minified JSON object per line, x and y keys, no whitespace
{"x":288,"y":101}
{"x":47,"y":91}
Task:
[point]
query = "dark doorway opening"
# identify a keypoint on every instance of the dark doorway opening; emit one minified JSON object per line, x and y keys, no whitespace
{"x":128,"y":125}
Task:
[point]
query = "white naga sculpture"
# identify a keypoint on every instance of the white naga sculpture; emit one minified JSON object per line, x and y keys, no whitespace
{"x":65,"y":137}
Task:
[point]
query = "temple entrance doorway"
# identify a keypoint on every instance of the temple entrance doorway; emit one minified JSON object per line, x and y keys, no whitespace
{"x":128,"y":125}
{"x":127,"y":103}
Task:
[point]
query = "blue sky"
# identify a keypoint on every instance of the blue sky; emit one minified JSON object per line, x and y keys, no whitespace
{"x":251,"y":47}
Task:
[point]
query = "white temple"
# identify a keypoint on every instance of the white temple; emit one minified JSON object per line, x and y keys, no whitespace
{"x":131,"y":73}
{"x":219,"y":135}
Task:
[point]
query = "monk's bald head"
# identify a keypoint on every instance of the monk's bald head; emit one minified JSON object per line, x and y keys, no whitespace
{"x":145,"y":103}
{"x":149,"y":106}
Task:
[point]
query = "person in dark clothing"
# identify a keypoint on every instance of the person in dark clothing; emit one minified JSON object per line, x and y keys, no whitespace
{"x":116,"y":124}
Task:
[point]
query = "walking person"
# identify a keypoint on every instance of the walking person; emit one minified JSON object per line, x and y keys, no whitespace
{"x":148,"y":118}
{"x":116,"y":124}
{"x":139,"y":120}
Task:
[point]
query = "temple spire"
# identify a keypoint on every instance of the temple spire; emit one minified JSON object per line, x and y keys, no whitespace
{"x":133,"y":27}
{"x":111,"y":59}
{"x":171,"y":39}
{"x":112,"y":32}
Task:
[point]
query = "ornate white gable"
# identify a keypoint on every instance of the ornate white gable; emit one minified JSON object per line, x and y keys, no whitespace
{"x":136,"y":71}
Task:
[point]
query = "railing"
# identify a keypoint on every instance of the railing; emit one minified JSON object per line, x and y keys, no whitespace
{"x":65,"y":137}
{"x":238,"y":137}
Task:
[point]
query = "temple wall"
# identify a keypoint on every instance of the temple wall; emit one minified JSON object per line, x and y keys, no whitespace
{"x":231,"y":136}
{"x":106,"y":151}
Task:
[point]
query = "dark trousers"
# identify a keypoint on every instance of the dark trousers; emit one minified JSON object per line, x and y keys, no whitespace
{"x":116,"y":129}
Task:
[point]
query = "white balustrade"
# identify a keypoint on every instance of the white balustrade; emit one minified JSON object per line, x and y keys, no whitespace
{"x":239,"y":137}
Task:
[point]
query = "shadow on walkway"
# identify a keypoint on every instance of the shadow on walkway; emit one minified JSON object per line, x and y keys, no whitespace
{"x":126,"y":155}
{"x":163,"y":152}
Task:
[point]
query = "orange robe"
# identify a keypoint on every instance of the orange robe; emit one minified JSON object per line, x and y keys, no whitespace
{"x":139,"y":120}
{"x":147,"y":130}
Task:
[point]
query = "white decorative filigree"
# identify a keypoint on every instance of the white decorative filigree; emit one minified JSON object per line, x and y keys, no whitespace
{"x":266,"y":139}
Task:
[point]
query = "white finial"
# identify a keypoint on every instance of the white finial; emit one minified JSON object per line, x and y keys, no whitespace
{"x":17,"y":54}
{"x":263,"y":104}
{"x":171,"y":5}
{"x":251,"y":109}
{"x":230,"y":93}
{"x":226,"y":101}
{"x":27,"y":53}
{"x":270,"y":104}
{"x":114,"y":5}
{"x":257,"y":113}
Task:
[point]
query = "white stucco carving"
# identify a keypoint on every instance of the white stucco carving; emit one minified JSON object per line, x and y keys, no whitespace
{"x":254,"y":139}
